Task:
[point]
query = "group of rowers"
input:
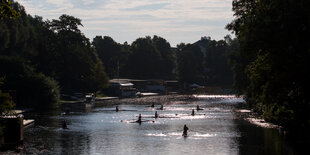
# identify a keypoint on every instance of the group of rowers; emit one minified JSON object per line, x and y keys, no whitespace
{"x":185,"y":128}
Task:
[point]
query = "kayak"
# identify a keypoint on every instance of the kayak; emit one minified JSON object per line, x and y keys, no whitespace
{"x":114,"y":110}
{"x":159,"y":116}
{"x":136,"y":121}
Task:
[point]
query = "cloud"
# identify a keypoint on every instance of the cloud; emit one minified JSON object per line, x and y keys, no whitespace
{"x":150,"y":7}
{"x":192,"y":18}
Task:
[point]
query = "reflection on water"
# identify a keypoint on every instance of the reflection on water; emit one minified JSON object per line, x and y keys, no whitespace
{"x":103,"y":131}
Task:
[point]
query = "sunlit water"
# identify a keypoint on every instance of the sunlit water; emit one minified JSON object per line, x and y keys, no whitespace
{"x":216,"y":130}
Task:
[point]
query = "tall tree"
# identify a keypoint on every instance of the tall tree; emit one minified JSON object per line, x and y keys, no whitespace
{"x":217,"y":70}
{"x":190,"y":63}
{"x":110,"y":53}
{"x":145,"y":60}
{"x":274,"y":52}
{"x":6,"y":10}
{"x":20,"y":78}
{"x":78,"y":64}
{"x":168,"y":63}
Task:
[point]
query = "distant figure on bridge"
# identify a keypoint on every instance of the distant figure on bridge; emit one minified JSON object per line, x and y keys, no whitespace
{"x":139,"y":119}
{"x":193,"y":112}
{"x":185,"y":129}
{"x":116,"y":108}
{"x":156,"y":115}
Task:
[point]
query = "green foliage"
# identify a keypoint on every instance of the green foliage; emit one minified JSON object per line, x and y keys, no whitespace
{"x":31,"y":90}
{"x":110,"y":53}
{"x":6,"y":10}
{"x":56,"y":48}
{"x":190,"y":63}
{"x":66,"y":23}
{"x":218,"y":71}
{"x":44,"y":92}
{"x":168,"y":57}
{"x":270,"y":67}
{"x":78,"y":66}
{"x":6,"y":103}
{"x":145,"y":59}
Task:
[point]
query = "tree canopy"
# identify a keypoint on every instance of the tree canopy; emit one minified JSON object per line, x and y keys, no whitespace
{"x":190,"y":63}
{"x":271,"y":65}
{"x":6,"y":10}
{"x":47,"y":56}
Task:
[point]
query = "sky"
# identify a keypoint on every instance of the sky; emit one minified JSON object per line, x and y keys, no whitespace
{"x":126,"y":20}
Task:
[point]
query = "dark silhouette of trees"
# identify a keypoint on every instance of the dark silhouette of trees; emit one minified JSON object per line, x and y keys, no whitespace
{"x":31,"y":89}
{"x":34,"y":53}
{"x":272,"y":63}
{"x":79,"y":67}
{"x":217,"y":70}
{"x":168,"y":57}
{"x":110,"y":53}
{"x":145,"y":59}
{"x":6,"y":10}
{"x":190,"y":63}
{"x":149,"y":58}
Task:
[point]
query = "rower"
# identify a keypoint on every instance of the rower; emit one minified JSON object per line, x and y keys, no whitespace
{"x":152,"y":105}
{"x":198,"y":108}
{"x":161,"y":107}
{"x":116,"y":108}
{"x":156,"y":115}
{"x":139,"y":119}
{"x":185,"y":129}
{"x":193,"y":112}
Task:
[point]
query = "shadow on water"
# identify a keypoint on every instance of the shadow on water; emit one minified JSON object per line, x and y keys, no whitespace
{"x":257,"y":140}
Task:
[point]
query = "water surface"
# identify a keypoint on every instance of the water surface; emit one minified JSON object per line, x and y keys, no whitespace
{"x":216,"y":130}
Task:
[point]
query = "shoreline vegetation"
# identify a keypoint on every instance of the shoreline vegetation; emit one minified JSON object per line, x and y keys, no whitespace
{"x":269,"y":66}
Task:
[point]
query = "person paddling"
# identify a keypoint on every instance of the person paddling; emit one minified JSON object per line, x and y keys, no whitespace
{"x":139,"y":119}
{"x":152,"y":105}
{"x":116,"y":108}
{"x":156,"y":115}
{"x":193,"y":112}
{"x":198,"y":108}
{"x":161,"y":107}
{"x":185,"y":129}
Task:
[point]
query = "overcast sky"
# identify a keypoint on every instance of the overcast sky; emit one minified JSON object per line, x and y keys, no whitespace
{"x":126,"y":20}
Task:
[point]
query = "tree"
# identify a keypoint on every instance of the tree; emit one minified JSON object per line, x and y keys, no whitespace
{"x":190,"y":63}
{"x":6,"y":102}
{"x":6,"y":10}
{"x":145,"y":60}
{"x":168,"y":63}
{"x":217,"y":70}
{"x":78,"y":66}
{"x":274,"y":50}
{"x":110,"y":53}
{"x":66,"y":23}
{"x":6,"y":105}
{"x":21,"y":78}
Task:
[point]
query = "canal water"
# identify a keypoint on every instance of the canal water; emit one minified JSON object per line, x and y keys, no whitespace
{"x":102,"y":130}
